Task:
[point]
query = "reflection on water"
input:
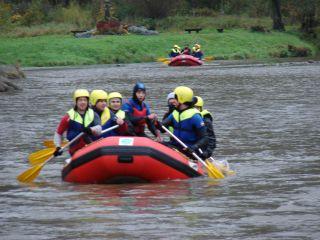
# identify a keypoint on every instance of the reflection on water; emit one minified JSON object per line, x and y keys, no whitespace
{"x":266,"y":121}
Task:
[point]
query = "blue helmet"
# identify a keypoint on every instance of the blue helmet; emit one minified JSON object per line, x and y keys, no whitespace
{"x":138,"y":86}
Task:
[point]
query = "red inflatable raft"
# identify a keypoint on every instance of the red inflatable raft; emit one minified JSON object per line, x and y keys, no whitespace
{"x":185,"y":60}
{"x":128,"y":159}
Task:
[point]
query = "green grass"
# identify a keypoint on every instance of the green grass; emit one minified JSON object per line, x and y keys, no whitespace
{"x":62,"y":50}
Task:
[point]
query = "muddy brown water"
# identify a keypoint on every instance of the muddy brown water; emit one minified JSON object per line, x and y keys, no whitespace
{"x":266,"y":118}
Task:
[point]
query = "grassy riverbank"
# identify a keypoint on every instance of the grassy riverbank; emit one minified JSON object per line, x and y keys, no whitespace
{"x":61,"y":50}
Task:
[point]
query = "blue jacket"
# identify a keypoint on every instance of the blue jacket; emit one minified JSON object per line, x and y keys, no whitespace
{"x":186,"y":125}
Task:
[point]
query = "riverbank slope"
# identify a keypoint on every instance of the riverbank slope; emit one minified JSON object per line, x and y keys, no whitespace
{"x":63,"y":50}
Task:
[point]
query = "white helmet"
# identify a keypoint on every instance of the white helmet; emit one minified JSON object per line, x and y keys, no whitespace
{"x":170,"y":96}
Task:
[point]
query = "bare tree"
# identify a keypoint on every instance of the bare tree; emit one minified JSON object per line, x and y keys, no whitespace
{"x":308,"y":18}
{"x":276,"y":15}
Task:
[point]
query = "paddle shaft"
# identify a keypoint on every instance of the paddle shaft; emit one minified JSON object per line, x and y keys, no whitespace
{"x":184,"y":145}
{"x":81,"y":134}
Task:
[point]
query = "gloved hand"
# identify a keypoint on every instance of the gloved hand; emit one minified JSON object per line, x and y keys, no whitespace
{"x":87,"y":130}
{"x":57,"y":152}
{"x":158,"y":125}
{"x":205,"y":155}
{"x":194,"y":148}
{"x":191,"y":149}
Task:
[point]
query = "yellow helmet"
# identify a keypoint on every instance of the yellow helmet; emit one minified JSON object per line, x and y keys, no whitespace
{"x":197,"y":46}
{"x":97,"y":95}
{"x":114,"y":95}
{"x":183,"y":94}
{"x":176,"y":46}
{"x":199,"y":102}
{"x":80,"y":93}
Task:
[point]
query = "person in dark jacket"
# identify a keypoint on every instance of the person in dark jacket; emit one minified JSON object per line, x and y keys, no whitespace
{"x":175,"y":51}
{"x":186,"y":51}
{"x":208,"y":121}
{"x":172,"y":104}
{"x":139,"y":114}
{"x":196,"y":51}
{"x":187,"y":123}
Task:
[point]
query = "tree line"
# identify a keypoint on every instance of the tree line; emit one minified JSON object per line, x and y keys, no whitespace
{"x":303,"y":12}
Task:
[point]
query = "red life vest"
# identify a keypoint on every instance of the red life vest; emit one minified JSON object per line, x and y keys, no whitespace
{"x":139,"y":127}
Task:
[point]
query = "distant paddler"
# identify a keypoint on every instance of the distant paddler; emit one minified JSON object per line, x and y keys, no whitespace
{"x":196,"y":51}
{"x":175,"y":51}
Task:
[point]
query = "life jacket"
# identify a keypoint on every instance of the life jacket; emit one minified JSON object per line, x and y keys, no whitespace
{"x":197,"y":53}
{"x":121,"y":114}
{"x":107,"y":121}
{"x":122,"y":130}
{"x":211,"y":145}
{"x":183,"y":127}
{"x":175,"y":50}
{"x":171,"y":129}
{"x":105,"y":116}
{"x":76,"y":126}
{"x":140,"y":125}
{"x":206,"y":113}
{"x":77,"y":123}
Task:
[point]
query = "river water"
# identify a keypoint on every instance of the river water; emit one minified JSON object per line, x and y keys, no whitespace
{"x":266,"y":119}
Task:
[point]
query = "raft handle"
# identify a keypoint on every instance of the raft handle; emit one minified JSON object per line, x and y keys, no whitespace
{"x":125,"y":159}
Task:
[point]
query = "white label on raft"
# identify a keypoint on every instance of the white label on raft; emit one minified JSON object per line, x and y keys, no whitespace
{"x":193,"y":165}
{"x":125,"y":141}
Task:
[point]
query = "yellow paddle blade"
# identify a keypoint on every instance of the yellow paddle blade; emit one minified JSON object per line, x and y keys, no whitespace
{"x":30,"y":174}
{"x":163,"y":59}
{"x":213,"y":172}
{"x":43,"y":153}
{"x":209,"y":58}
{"x":41,"y":159}
{"x":50,"y":144}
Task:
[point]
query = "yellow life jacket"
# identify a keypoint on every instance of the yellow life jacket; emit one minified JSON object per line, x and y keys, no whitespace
{"x":105,"y":116}
{"x":175,"y":50}
{"x":185,"y":114}
{"x":86,"y":121}
{"x":121,"y":114}
{"x":206,"y":112}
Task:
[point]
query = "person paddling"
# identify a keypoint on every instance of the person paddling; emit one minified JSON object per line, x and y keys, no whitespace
{"x":175,"y":51}
{"x":187,"y":122}
{"x":139,"y":114}
{"x":114,"y":104}
{"x":98,"y":100}
{"x":208,"y":122}
{"x":196,"y":51}
{"x":186,"y":50}
{"x":78,"y":119}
